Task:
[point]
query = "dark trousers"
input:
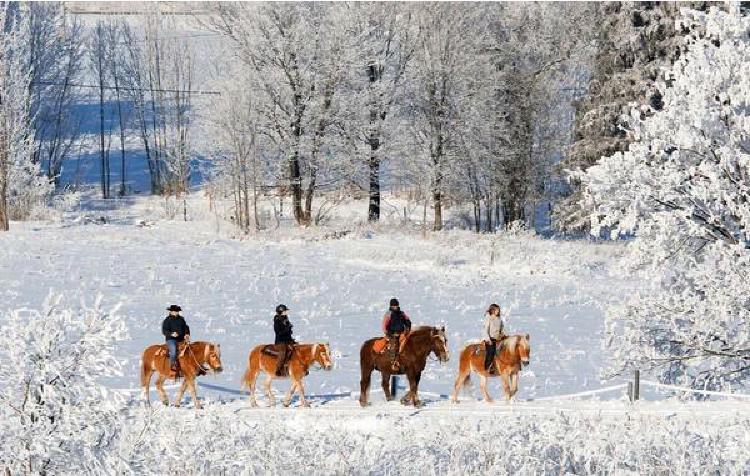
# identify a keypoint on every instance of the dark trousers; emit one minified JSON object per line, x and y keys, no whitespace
{"x":172,"y":351}
{"x":285,"y":351}
{"x":490,"y":350}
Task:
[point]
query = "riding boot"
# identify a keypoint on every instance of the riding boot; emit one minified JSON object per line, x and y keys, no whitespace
{"x":281,"y":360}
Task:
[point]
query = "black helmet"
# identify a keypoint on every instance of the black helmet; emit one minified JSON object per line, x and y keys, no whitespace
{"x":281,"y":308}
{"x":394,"y":302}
{"x":174,"y":307}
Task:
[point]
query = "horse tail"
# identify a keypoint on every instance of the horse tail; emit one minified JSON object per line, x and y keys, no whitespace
{"x":245,"y":382}
{"x":145,"y":370}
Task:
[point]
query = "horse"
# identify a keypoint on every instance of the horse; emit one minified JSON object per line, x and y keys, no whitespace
{"x":514,"y":354}
{"x":421,"y":342}
{"x":303,"y":356}
{"x":193,"y":358}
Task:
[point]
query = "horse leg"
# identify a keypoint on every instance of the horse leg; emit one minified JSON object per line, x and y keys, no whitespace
{"x":194,"y":393}
{"x":301,"y":391}
{"x":160,"y":389}
{"x":411,"y":395}
{"x":364,"y":385}
{"x":483,"y":386}
{"x":415,"y":399}
{"x":252,"y":377}
{"x":506,"y":386}
{"x":290,"y":393}
{"x":386,"y":381}
{"x":513,"y":384}
{"x":267,"y":388}
{"x":180,"y":393}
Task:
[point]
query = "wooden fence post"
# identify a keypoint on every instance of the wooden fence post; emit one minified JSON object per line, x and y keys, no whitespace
{"x":394,"y":385}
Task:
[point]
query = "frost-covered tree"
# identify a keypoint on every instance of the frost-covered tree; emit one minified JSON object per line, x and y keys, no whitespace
{"x":21,"y":188}
{"x":55,"y":416}
{"x":635,"y":41}
{"x":682,"y":189}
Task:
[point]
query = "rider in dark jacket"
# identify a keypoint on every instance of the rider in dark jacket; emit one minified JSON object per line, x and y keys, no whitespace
{"x":284,"y":340}
{"x":175,"y":330}
{"x":395,"y":323}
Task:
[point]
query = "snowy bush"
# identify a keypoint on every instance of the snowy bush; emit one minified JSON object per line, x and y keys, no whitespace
{"x":353,"y":443}
{"x":55,"y":417}
{"x":682,"y":189}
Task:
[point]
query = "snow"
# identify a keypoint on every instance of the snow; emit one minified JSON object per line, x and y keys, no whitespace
{"x":337,"y":290}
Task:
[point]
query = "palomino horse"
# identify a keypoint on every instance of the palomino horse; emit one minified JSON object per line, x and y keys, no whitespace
{"x":193,"y":358}
{"x":412,"y":359}
{"x":299,"y":362}
{"x":514,"y":354}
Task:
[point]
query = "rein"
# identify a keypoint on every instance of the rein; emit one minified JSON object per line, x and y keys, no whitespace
{"x":195,"y":359}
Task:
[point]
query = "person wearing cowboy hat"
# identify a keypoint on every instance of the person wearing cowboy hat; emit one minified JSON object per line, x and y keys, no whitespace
{"x":284,"y":340}
{"x":175,"y":330}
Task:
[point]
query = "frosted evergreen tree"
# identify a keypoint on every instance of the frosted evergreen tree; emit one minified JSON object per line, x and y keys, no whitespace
{"x":636,"y":40}
{"x":682,"y":189}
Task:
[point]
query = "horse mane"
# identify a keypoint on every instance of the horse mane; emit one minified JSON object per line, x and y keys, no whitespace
{"x":511,"y":342}
{"x":422,"y":329}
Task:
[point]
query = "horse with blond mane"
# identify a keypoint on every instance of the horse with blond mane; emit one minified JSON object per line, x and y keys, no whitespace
{"x":263,"y":358}
{"x":514,"y":354}
{"x":195,"y":358}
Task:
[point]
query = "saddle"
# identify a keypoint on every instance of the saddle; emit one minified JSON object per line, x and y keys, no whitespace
{"x":380,"y":346}
{"x":272,"y":351}
{"x":162,"y":351}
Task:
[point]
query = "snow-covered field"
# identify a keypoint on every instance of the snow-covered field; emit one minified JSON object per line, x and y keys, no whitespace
{"x":338,"y":290}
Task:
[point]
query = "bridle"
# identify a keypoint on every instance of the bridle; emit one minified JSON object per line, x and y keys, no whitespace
{"x":195,"y":359}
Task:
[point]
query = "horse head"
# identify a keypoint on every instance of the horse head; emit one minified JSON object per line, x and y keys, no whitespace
{"x":322,"y":355}
{"x":439,"y":343}
{"x":524,"y":349}
{"x":212,"y":356}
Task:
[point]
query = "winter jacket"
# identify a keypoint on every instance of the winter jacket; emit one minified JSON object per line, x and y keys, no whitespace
{"x":493,"y":327}
{"x":175,"y":324}
{"x":283,"y":329}
{"x":396,"y":322}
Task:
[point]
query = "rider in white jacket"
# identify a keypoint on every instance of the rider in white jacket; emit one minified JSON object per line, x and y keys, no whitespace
{"x":493,"y":333}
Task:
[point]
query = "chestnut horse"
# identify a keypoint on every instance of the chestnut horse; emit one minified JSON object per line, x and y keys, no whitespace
{"x":303,"y":356}
{"x":421,"y":342}
{"x":515,"y":353}
{"x":193,"y":358}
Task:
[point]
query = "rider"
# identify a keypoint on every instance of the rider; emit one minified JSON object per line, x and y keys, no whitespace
{"x":395,"y":323}
{"x":493,"y":333}
{"x":175,"y":330}
{"x":283,"y":330}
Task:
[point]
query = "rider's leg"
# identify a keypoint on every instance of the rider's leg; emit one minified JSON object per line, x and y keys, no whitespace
{"x":489,"y":353}
{"x":172,"y":351}
{"x":395,"y":343}
{"x":281,"y":360}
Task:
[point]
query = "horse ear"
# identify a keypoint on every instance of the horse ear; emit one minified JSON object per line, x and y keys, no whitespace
{"x":528,"y":337}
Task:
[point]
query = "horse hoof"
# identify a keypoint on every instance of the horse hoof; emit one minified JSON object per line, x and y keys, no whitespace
{"x":363,"y":404}
{"x":286,"y":404}
{"x":306,"y":405}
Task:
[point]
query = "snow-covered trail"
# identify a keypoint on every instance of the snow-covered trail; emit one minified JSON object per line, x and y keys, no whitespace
{"x":337,"y":290}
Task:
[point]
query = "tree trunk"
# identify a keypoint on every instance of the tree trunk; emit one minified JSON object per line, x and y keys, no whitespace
{"x":437,"y":199}
{"x":477,"y":215}
{"x":488,"y":205}
{"x":122,"y":136}
{"x":4,"y":215}
{"x":373,"y":208}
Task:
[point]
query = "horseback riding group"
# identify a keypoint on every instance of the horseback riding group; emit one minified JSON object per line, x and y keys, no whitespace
{"x":400,"y":351}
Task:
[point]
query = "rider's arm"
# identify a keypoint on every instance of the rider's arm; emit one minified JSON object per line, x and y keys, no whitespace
{"x":187,"y":331}
{"x":407,"y":322}
{"x":386,"y":321}
{"x":165,"y":328}
{"x":487,"y":328}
